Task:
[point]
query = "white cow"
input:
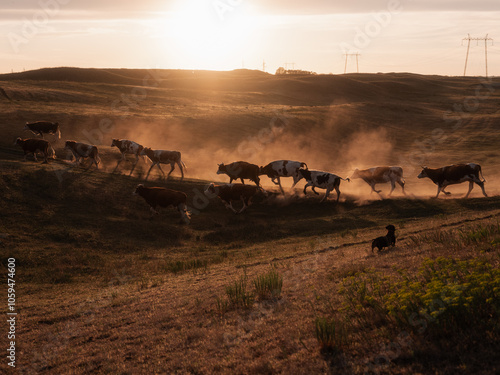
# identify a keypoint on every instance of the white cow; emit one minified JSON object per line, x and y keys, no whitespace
{"x":381,"y":175}
{"x":283,"y":168}
{"x":323,"y":180}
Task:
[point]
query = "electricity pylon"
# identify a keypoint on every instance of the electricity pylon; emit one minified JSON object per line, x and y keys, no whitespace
{"x":468,"y":39}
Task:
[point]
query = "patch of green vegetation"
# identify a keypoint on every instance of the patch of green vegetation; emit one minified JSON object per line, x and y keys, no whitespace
{"x":332,"y":335}
{"x":269,"y":285}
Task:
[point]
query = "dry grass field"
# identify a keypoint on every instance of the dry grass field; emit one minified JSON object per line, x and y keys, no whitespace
{"x":102,"y":288}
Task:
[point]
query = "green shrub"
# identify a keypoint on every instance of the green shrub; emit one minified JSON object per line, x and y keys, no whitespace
{"x":269,"y":285}
{"x":331,"y":335}
{"x":238,"y":296}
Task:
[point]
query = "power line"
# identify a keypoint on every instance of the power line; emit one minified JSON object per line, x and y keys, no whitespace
{"x":486,"y":39}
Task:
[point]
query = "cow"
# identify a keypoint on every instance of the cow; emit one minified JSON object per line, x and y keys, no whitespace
{"x":127,"y":147}
{"x":164,"y":157}
{"x":323,"y":180}
{"x":380,"y":175}
{"x":232,"y":192}
{"x":162,"y":197}
{"x":240,"y":170}
{"x":283,"y":168}
{"x":41,"y":127}
{"x":388,"y":240}
{"x":83,"y":150}
{"x":34,"y":145}
{"x":454,"y":174}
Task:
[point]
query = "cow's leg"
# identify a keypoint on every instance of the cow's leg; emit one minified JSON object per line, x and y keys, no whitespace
{"x":373,"y":188}
{"x":393,"y":186}
{"x":172,"y":167}
{"x":439,"y":190}
{"x":119,"y":161}
{"x":45,"y":156}
{"x":243,"y":182}
{"x":147,"y":175}
{"x":133,"y":166}
{"x":281,"y":187}
{"x":338,"y":192}
{"x":161,"y":170}
{"x":481,"y":185}
{"x":305,"y":187}
{"x":314,"y":190}
{"x":230,"y":206}
{"x":471,"y":186}
{"x":402,"y":184}
{"x":326,"y":195}
{"x":34,"y":155}
{"x":182,"y":170}
{"x":246,"y":203}
{"x":153,"y":211}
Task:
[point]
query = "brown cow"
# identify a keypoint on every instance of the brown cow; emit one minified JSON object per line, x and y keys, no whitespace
{"x":380,"y":175}
{"x":162,"y":197}
{"x":164,"y":157}
{"x":454,"y":174}
{"x":232,"y":192}
{"x":241,"y":170}
{"x":41,"y":127}
{"x":83,"y":150}
{"x":34,"y":145}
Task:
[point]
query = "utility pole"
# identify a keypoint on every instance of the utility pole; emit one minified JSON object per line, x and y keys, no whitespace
{"x":351,"y":54}
{"x":486,"y":39}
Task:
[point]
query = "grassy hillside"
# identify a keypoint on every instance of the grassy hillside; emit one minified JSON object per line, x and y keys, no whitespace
{"x":103,"y":288}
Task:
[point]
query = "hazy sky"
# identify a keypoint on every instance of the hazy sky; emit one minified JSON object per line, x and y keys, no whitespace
{"x":419,"y":36}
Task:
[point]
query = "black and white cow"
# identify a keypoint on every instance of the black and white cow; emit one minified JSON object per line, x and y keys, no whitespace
{"x":381,"y":175}
{"x":127,"y":147}
{"x":323,"y":180}
{"x":83,"y":150}
{"x":283,"y":168}
{"x":164,"y":157}
{"x":41,"y":127}
{"x":455,"y":174}
{"x":240,"y":170}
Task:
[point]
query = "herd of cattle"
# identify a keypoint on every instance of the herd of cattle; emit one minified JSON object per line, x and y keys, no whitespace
{"x":240,"y":170}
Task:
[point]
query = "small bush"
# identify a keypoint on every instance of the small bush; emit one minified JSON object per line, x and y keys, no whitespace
{"x":269,"y":285}
{"x":238,"y":296}
{"x":181,"y":266}
{"x":331,"y":335}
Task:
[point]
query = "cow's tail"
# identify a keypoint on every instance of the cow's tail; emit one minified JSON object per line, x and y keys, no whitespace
{"x":481,"y":172}
{"x":58,"y":133}
{"x":346,"y":179}
{"x":185,"y":214}
{"x":183,"y":165}
{"x":97,"y":157}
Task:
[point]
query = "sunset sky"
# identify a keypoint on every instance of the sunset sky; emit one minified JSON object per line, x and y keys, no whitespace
{"x":418,"y":36}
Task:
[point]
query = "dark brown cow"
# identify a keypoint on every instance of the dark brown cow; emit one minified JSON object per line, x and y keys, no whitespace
{"x":455,"y":174}
{"x":83,"y":150}
{"x":162,"y":197}
{"x":240,"y":170}
{"x":233,"y":192}
{"x":127,"y":147}
{"x":41,"y":127}
{"x":380,"y":175}
{"x":164,"y":157}
{"x":34,"y":145}
{"x":388,"y":240}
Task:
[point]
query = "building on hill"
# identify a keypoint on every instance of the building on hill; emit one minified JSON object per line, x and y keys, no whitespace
{"x":283,"y":71}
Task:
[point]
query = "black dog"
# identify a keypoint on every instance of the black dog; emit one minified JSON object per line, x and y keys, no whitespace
{"x":388,"y":240}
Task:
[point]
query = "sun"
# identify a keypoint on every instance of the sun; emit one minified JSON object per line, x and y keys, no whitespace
{"x":211,"y":34}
